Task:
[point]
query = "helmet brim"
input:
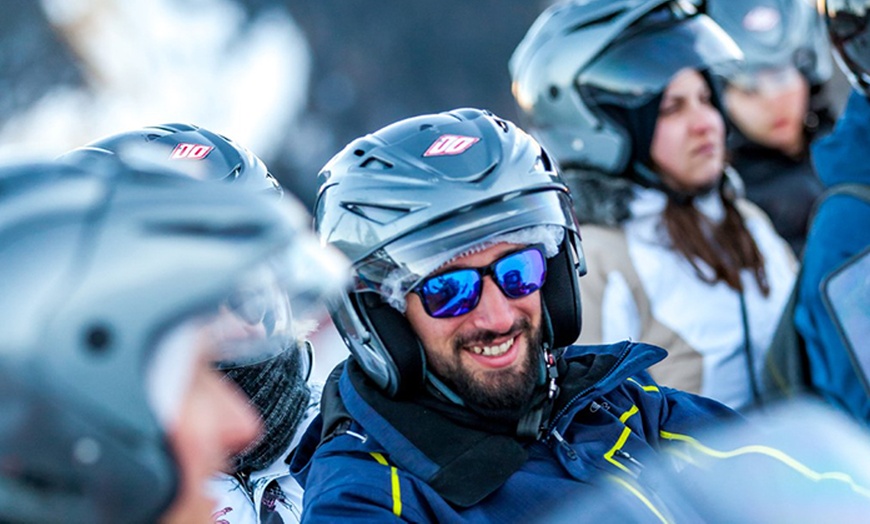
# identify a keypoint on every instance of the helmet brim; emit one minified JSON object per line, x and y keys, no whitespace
{"x":406,"y":261}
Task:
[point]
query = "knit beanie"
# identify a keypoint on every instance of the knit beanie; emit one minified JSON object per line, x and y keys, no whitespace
{"x":277,"y":388}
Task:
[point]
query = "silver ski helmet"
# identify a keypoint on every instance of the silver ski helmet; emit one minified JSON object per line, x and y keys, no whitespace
{"x":101,"y":265}
{"x":776,"y":33}
{"x":405,"y":199}
{"x":195,"y":151}
{"x":580,"y":55}
{"x":276,"y":384}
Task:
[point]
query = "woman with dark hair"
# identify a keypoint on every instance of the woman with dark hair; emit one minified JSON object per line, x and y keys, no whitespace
{"x":626,"y":96}
{"x":777,"y":105}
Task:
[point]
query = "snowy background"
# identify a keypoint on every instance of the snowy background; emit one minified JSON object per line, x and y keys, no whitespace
{"x":293,"y":81}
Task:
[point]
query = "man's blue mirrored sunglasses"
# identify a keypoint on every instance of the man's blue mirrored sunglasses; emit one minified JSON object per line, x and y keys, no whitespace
{"x":457,"y":292}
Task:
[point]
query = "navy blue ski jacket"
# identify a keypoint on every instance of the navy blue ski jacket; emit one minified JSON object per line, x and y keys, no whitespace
{"x":387,"y":460}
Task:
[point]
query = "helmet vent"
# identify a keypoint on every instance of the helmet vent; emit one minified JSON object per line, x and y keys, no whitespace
{"x":359,"y":152}
{"x":376,"y":163}
{"x":554,"y":92}
{"x":196,"y":229}
{"x":375,"y":213}
{"x":544,"y":161}
{"x":98,"y":339}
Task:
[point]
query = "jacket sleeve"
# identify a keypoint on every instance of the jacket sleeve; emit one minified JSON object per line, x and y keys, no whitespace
{"x":673,"y":415}
{"x":792,"y":463}
{"x":358,"y":487}
{"x":829,"y":245}
{"x":690,"y":413}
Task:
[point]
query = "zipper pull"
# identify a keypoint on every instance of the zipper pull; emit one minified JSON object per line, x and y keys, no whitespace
{"x":562,"y":442}
{"x":552,"y":374}
{"x":244,"y":478}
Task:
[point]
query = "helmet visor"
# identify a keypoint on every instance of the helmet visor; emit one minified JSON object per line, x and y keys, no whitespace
{"x":767,"y":80}
{"x":253,"y":323}
{"x":402,"y":264}
{"x":248,"y":325}
{"x":633,"y":71}
{"x":274,"y":305}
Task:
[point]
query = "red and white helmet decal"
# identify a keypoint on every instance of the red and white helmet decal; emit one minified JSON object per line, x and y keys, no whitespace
{"x":190,"y":151}
{"x":450,"y":145}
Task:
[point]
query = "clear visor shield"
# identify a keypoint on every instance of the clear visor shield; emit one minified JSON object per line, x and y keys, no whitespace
{"x":766,"y":80}
{"x":402,"y":264}
{"x":633,"y":71}
{"x":847,"y":298}
{"x":269,"y":310}
{"x":276,"y":304}
{"x":253,"y":323}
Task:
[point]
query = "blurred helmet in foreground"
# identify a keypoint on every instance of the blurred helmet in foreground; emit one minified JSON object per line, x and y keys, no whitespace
{"x":106,"y":269}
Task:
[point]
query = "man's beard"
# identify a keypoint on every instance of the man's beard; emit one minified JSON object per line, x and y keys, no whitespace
{"x":503,"y":395}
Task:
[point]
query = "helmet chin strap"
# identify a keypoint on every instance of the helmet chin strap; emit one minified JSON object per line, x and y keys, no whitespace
{"x":533,"y":423}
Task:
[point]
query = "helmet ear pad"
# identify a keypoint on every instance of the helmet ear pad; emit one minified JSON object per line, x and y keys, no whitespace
{"x":392,"y":333}
{"x":561,"y":296}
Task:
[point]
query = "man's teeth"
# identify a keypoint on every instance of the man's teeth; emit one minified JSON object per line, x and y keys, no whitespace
{"x":493,"y":351}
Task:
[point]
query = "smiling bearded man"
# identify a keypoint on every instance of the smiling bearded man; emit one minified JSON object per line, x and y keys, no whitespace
{"x":462,"y":398}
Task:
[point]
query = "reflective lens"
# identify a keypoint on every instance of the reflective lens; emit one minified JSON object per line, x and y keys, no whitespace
{"x":254,"y":322}
{"x":457,"y":292}
{"x":766,"y":81}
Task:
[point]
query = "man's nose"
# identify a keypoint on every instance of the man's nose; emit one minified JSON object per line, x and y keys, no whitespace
{"x":494,"y":311}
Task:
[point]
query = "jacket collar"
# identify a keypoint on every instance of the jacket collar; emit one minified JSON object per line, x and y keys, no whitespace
{"x":593,"y":371}
{"x":463,"y":464}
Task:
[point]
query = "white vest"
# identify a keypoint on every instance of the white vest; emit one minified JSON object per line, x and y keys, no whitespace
{"x":638,"y":288}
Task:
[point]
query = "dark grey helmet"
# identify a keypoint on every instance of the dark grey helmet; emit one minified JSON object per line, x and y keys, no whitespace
{"x":193,"y":150}
{"x":582,"y":54}
{"x":100,"y":265}
{"x":776,"y":33}
{"x":405,"y":199}
{"x":849,"y":31}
